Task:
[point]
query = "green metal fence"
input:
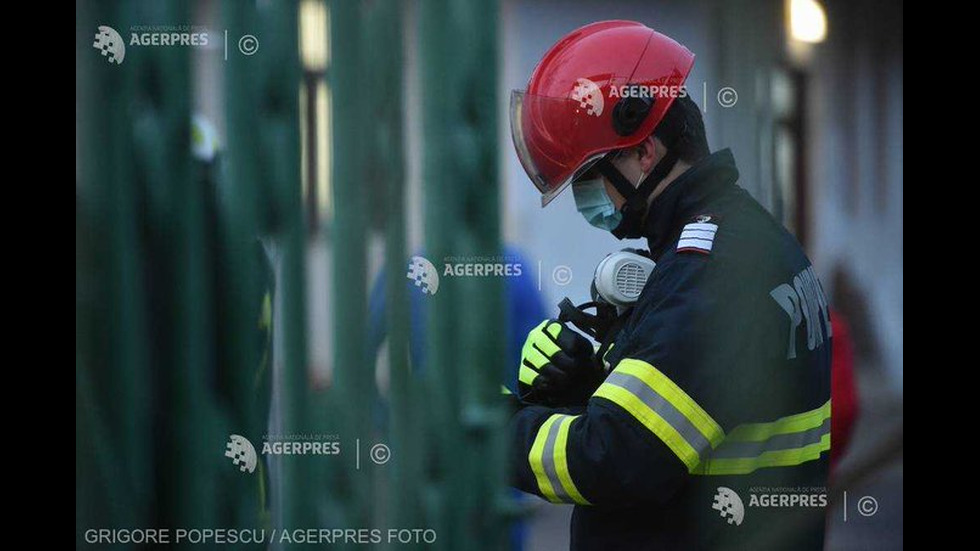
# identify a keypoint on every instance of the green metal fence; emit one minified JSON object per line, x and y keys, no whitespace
{"x":177,"y":299}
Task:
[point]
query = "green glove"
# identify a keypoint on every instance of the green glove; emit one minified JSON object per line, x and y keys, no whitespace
{"x":557,"y":366}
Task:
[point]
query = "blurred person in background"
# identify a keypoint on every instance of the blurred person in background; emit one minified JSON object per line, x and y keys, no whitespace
{"x":718,"y":382}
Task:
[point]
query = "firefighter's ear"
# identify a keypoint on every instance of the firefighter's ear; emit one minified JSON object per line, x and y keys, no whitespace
{"x":650,"y":151}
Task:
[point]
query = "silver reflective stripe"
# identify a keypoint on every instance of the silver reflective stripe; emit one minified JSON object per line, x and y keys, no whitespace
{"x":778,"y":442}
{"x":662,"y":407}
{"x":548,"y":460}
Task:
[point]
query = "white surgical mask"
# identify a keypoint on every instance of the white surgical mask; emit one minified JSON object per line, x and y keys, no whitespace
{"x":595,"y":204}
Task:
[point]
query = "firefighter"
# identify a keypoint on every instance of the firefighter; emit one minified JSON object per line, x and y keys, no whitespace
{"x":706,"y":425}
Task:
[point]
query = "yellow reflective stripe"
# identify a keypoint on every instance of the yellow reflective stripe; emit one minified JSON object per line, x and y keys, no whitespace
{"x":779,"y":458}
{"x":698,"y":441}
{"x":536,"y":459}
{"x":757,"y":432}
{"x":505,"y":390}
{"x":549,"y":461}
{"x":526,"y":375}
{"x":561,"y":462}
{"x":676,"y":396}
{"x":652,"y":421}
{"x":785,"y":442}
{"x":554,"y":329}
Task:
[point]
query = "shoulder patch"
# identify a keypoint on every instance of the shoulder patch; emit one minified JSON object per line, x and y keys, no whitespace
{"x":698,"y":236}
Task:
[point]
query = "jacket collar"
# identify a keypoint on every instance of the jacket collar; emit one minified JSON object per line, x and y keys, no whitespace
{"x":686,"y":197}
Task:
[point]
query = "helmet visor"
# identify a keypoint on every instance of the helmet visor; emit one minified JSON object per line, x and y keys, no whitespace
{"x":556,"y":139}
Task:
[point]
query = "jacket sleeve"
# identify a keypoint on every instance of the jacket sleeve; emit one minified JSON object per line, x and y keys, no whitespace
{"x":645,"y":429}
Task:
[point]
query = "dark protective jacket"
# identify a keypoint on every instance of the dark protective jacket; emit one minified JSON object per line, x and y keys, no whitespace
{"x":712,"y":429}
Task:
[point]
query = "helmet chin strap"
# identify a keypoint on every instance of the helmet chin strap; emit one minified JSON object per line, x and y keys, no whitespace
{"x":633,"y":210}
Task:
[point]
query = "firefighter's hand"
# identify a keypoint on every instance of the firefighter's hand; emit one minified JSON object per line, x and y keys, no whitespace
{"x":557,"y":366}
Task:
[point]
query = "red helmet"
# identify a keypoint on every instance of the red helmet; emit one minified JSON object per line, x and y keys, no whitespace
{"x":577,"y":104}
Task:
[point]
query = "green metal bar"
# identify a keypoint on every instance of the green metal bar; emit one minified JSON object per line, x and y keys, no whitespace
{"x":481,"y":322}
{"x":384,"y":22}
{"x":177,"y":275}
{"x":112,"y":488}
{"x":148,"y":332}
{"x":264,"y":197}
{"x":114,"y":372}
{"x":279,"y":80}
{"x":353,"y":374}
{"x":194,"y":360}
{"x":240,"y":222}
{"x":458,"y":53}
{"x":110,"y":336}
{"x":170,"y":315}
{"x":442,"y":219}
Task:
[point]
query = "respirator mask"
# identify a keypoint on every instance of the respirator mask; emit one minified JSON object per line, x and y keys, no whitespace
{"x":620,"y":277}
{"x":616,"y":286}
